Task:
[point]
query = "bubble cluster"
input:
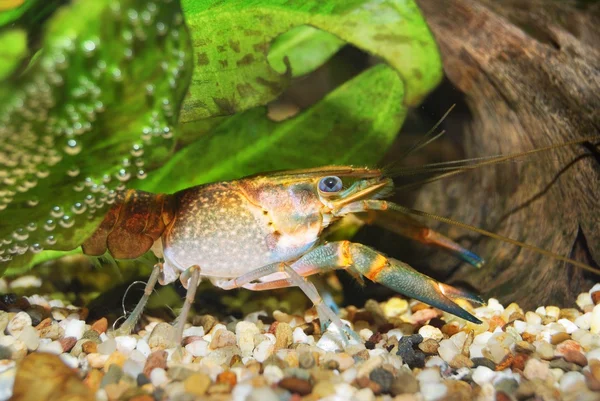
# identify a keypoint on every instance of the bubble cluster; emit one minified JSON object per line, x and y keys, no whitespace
{"x":72,"y":97}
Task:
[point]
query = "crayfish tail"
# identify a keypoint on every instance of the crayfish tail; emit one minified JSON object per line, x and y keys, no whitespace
{"x":131,"y":226}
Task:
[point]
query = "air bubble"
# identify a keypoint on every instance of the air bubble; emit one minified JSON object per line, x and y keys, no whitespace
{"x":33,"y":202}
{"x":141,"y":174}
{"x":66,"y":221}
{"x":73,"y":171}
{"x":89,"y":47}
{"x":72,"y":147}
{"x":20,"y":234}
{"x":51,"y":240}
{"x":32,"y":226}
{"x":36,"y":248}
{"x":57,"y":212}
{"x":137,"y":150}
{"x":116,"y":74}
{"x":123,"y":175}
{"x":126,"y":162}
{"x":49,"y":225}
{"x":79,"y":208}
{"x":89,"y":199}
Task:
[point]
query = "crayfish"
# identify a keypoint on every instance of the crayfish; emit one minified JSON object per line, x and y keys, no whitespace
{"x":267,"y":231}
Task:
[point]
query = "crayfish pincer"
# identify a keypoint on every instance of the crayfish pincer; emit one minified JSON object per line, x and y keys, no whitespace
{"x":267,"y":231}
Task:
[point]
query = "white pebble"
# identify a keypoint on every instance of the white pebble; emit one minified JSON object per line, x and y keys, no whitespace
{"x":584,"y":299}
{"x":264,"y":350}
{"x":262,"y":394}
{"x":364,"y":394}
{"x":96,"y":360}
{"x":75,"y":328}
{"x":241,"y":392}
{"x":571,"y":381}
{"x":194,"y":331}
{"x":244,"y":335}
{"x":53,"y":348}
{"x":593,"y":354}
{"x":137,"y":356}
{"x":272,"y":374}
{"x":132,"y":368}
{"x":18,"y":323}
{"x":584,"y":321}
{"x":433,"y":391}
{"x":158,"y":377}
{"x":520,"y":326}
{"x":345,"y":390}
{"x":30,"y":338}
{"x":482,"y":375}
{"x":143,"y":347}
{"x":430,"y":375}
{"x":533,"y":318}
{"x":569,"y":326}
{"x":448,"y":350}
{"x":69,"y":360}
{"x":536,"y":369}
{"x":107,"y":347}
{"x":7,"y":380}
{"x":198,"y":348}
{"x":299,"y":337}
{"x":26,"y":282}
{"x":330,"y":342}
{"x":126,"y":344}
{"x":595,"y":323}
{"x":434,"y":333}
{"x":365,"y":334}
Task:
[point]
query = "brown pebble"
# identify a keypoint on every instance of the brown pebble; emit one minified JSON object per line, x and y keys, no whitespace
{"x":100,"y":326}
{"x":450,"y":329}
{"x":595,"y":368}
{"x":227,"y":377}
{"x":196,"y":384}
{"x":67,"y":343}
{"x":505,"y":363}
{"x":365,"y":382}
{"x":143,"y":397}
{"x":519,"y":361}
{"x":219,"y":388}
{"x":283,"y":336}
{"x":89,"y":347}
{"x":496,"y":321}
{"x":429,"y":346}
{"x":592,"y":383}
{"x":116,"y":358}
{"x":44,"y":323}
{"x":206,"y":321}
{"x":84,"y":312}
{"x":296,"y":385}
{"x":93,"y":379}
{"x":461,"y":361}
{"x":114,"y":391}
{"x":528,"y":337}
{"x":568,"y":345}
{"x":236,"y":360}
{"x":524,"y":347}
{"x":157,"y":359}
{"x":559,"y":338}
{"x":458,"y":390}
{"x":501,"y":396}
{"x":595,"y":297}
{"x":575,"y":357}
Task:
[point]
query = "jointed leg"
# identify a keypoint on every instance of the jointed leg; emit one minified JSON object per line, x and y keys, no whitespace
{"x":192,"y":284}
{"x":129,"y":324}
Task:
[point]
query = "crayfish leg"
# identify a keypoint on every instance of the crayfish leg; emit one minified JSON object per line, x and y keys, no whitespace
{"x":191,"y":279}
{"x":129,"y":324}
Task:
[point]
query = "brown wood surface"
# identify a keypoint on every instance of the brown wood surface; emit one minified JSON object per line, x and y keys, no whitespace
{"x":530,"y":75}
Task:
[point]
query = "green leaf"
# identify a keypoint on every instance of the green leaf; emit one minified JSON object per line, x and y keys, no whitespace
{"x":98,"y":104}
{"x":13,"y":48}
{"x":231,"y":41}
{"x":352,"y":125}
{"x":306,"y":49}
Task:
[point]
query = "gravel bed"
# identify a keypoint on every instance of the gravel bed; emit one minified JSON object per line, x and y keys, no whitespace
{"x":410,"y":352}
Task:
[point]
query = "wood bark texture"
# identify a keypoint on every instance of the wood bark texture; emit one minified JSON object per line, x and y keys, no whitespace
{"x":530,"y":75}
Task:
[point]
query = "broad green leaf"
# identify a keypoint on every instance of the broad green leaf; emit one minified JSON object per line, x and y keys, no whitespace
{"x":13,"y":48}
{"x":231,"y":41}
{"x":97,"y":105}
{"x":354,"y":124}
{"x":306,"y":49}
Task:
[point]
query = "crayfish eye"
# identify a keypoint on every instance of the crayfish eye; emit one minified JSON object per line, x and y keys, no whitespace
{"x":330,"y":184}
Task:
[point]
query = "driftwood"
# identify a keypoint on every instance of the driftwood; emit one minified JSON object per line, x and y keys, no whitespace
{"x":530,"y":75}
